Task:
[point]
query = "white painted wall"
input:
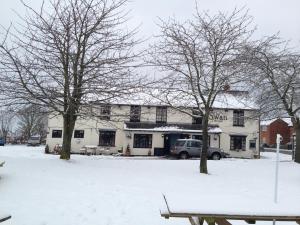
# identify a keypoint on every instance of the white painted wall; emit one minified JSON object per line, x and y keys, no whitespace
{"x":91,"y":128}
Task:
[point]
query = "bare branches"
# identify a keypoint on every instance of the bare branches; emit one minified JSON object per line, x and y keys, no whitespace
{"x":201,"y":56}
{"x":67,"y":56}
{"x":275,"y":74}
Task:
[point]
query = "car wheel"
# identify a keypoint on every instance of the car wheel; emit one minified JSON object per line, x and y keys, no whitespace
{"x":216,"y":156}
{"x":183,"y":155}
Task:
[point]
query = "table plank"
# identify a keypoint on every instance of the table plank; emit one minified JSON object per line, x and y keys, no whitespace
{"x":4,"y":218}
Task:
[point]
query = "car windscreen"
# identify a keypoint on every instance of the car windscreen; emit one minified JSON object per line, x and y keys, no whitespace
{"x":180,"y":143}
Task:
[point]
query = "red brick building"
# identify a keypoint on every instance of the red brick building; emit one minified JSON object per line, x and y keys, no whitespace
{"x":270,"y":128}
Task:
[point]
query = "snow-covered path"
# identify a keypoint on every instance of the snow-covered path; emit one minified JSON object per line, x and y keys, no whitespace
{"x":39,"y":189}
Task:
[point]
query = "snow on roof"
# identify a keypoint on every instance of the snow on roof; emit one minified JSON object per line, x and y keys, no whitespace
{"x":225,"y":100}
{"x":288,"y":121}
{"x":268,"y":122}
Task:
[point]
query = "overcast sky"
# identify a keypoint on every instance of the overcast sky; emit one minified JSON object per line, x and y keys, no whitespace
{"x":270,"y":16}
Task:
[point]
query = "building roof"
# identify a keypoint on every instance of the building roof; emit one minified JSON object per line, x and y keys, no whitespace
{"x":268,"y":122}
{"x":225,"y":100}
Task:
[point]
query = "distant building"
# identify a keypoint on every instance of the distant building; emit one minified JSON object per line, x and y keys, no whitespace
{"x":152,"y":129}
{"x":270,"y":128}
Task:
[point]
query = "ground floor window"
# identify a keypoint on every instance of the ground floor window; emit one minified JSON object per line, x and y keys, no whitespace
{"x":107,"y":138}
{"x":252,"y":144}
{"x":142,"y":141}
{"x":56,"y":133}
{"x":79,"y":134}
{"x":199,"y":137}
{"x":238,"y":143}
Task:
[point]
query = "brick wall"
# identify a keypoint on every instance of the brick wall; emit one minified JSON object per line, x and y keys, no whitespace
{"x":276,"y":127}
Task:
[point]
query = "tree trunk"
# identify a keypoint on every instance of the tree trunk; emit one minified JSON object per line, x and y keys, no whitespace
{"x":297,"y":149}
{"x":69,"y":123}
{"x":203,"y":159}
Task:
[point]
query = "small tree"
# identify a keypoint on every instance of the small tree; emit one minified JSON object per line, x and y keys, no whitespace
{"x":201,"y":57}
{"x":32,"y":120}
{"x":6,"y":122}
{"x":64,"y":57}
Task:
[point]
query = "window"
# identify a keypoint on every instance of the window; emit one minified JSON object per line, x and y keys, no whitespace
{"x":56,"y":133}
{"x":194,"y":144}
{"x":161,"y":114}
{"x":105,"y":111}
{"x":197,"y":119}
{"x":107,"y":138}
{"x":252,"y":144}
{"x":135,"y":113}
{"x":238,"y":118}
{"x":238,"y":143}
{"x":199,"y":137}
{"x":264,"y":128}
{"x":142,"y":141}
{"x":79,"y":134}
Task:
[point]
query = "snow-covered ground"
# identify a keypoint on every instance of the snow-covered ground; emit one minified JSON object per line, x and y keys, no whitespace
{"x":39,"y":189}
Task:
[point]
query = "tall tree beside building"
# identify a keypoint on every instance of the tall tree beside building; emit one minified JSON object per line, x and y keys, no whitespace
{"x":275,"y":75}
{"x":66,"y":54}
{"x":201,"y":58}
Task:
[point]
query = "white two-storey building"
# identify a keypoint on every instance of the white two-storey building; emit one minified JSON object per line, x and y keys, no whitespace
{"x":152,"y":129}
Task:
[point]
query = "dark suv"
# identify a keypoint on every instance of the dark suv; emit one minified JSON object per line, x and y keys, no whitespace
{"x":185,"y":148}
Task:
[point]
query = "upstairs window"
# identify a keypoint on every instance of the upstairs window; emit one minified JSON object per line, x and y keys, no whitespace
{"x":238,"y":118}
{"x":56,"y":133}
{"x":135,"y":113}
{"x":79,"y":134}
{"x":161,"y":114}
{"x":264,"y":128}
{"x":197,"y":118}
{"x":105,"y":111}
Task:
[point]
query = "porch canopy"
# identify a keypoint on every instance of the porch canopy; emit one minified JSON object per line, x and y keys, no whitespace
{"x":169,"y":127}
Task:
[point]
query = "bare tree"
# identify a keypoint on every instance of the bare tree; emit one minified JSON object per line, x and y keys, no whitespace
{"x":6,"y":122}
{"x":32,"y":120}
{"x":202,"y":58}
{"x":67,"y":54}
{"x":275,"y":75}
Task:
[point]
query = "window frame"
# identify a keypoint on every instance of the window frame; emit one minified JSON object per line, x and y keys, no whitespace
{"x":135,"y":113}
{"x":161,"y":114}
{"x":81,"y":134}
{"x":105,"y":112}
{"x":238,"y":118}
{"x":111,"y":143}
{"x":243,"y":144}
{"x":200,"y":137}
{"x":196,"y":118}
{"x":56,"y":130}
{"x":142,"y":145}
{"x":252,"y":141}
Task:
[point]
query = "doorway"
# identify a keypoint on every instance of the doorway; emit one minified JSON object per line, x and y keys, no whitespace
{"x":170,"y":140}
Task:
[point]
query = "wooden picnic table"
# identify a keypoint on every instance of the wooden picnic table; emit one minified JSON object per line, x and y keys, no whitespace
{"x":221,"y":218}
{"x":4,"y":217}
